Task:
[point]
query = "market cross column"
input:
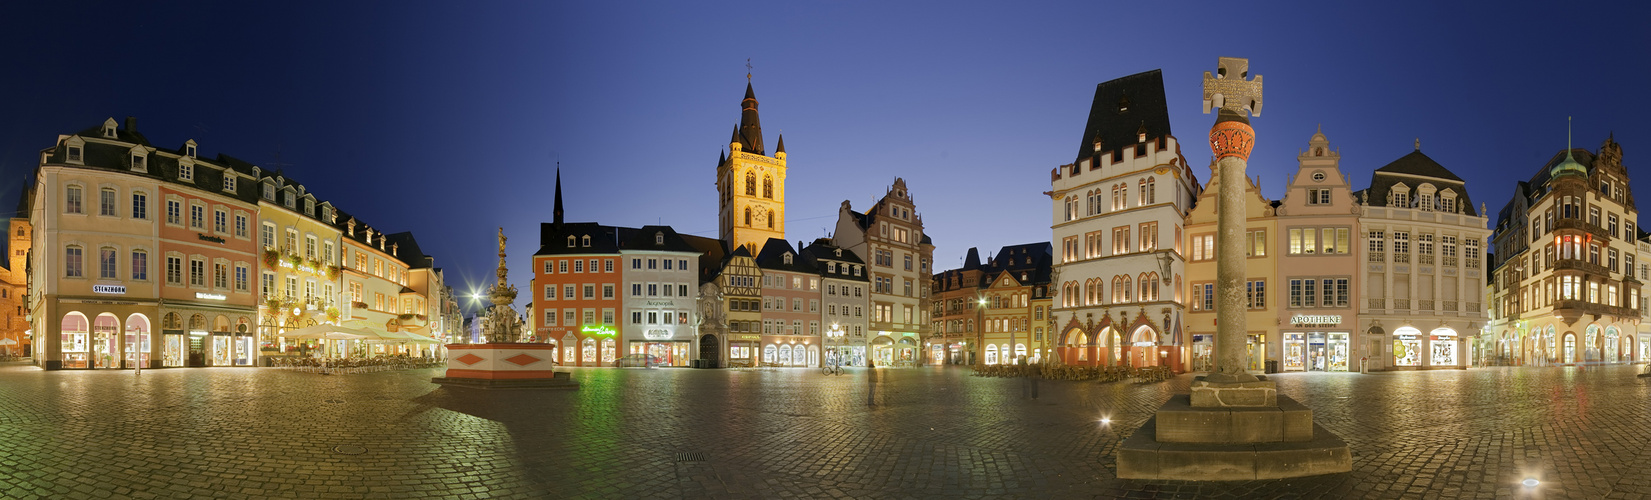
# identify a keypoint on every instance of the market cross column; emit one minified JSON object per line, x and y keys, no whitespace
{"x":1234,"y":426}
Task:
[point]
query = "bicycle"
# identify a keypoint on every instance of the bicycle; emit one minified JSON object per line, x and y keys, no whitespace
{"x":832,"y":369}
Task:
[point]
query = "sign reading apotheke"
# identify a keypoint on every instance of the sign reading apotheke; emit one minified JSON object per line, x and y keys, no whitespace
{"x":109,"y":289}
{"x":1316,"y":319}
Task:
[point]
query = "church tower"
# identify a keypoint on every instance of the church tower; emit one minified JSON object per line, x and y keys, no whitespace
{"x":750,"y":184}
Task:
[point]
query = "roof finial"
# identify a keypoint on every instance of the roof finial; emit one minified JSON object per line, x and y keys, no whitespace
{"x":1418,"y":144}
{"x":748,"y":69}
{"x":1567,"y":136}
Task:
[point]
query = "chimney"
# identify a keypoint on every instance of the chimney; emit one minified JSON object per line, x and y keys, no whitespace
{"x":132,"y":124}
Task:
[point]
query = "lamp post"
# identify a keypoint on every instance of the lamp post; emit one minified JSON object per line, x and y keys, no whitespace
{"x":979,"y":316}
{"x":835,"y":336}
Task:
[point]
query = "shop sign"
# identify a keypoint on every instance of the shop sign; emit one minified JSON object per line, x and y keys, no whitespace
{"x":657,"y":335}
{"x":1316,"y":319}
{"x":213,"y":239}
{"x":597,"y":330}
{"x":109,"y":289}
{"x":748,"y":337}
{"x":662,"y":303}
{"x":210,"y":296}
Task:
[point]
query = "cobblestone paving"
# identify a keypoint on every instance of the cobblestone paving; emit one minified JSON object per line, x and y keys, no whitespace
{"x":680,"y":433}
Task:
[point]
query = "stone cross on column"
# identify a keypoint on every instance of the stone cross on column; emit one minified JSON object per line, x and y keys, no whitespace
{"x":1228,"y":89}
{"x":1231,"y":139}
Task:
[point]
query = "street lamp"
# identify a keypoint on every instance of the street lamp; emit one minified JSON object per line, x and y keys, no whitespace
{"x":835,"y":335}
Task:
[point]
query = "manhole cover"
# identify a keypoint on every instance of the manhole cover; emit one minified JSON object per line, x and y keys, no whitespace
{"x":348,"y":449}
{"x":335,"y":401}
{"x":696,"y":456}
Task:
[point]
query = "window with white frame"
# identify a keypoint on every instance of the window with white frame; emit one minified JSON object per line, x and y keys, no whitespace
{"x":73,"y":200}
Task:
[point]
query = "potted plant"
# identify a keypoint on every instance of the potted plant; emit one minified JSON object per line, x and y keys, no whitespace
{"x":333,"y":272}
{"x":271,"y":257}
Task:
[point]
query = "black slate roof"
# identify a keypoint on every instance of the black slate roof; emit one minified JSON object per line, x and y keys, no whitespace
{"x":772,"y":256}
{"x":553,"y":239}
{"x":1118,"y":126}
{"x":407,"y":250}
{"x":1415,"y":164}
{"x":643,"y":239}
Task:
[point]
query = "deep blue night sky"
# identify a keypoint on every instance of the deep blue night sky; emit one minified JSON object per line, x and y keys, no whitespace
{"x":448,"y":119}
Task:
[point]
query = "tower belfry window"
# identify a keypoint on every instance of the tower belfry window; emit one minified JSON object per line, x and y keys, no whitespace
{"x":768,"y":187}
{"x":750,"y":184}
{"x":771,"y":219}
{"x":747,"y":216}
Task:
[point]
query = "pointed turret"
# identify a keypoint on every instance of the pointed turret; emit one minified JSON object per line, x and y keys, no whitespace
{"x":1570,"y":165}
{"x":750,"y":129}
{"x":722,"y":157}
{"x":735,"y":139}
{"x":557,"y":213}
{"x":780,"y":148}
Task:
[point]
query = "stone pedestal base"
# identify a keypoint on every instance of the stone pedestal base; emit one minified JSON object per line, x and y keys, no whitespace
{"x":504,"y":366}
{"x":1187,"y":442}
{"x":1261,"y":393}
{"x":1180,"y":422}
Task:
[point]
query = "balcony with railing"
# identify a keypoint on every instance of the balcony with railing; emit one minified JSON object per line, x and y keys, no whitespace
{"x":1581,"y":225}
{"x":1401,"y":258}
{"x":1378,"y":257}
{"x":1401,"y":304}
{"x":1580,"y":265}
{"x":1378,"y":304}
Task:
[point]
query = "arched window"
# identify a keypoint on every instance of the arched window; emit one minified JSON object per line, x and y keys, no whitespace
{"x":609,"y":351}
{"x":748,"y":216}
{"x":751,"y":183}
{"x":1152,"y":191}
{"x":768,"y":187}
{"x":1141,"y":199}
{"x":771,"y":219}
{"x":588,"y":357}
{"x":1127,"y":287}
{"x":991,"y":354}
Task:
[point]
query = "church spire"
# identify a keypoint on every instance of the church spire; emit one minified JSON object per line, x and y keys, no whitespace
{"x":558,"y":210}
{"x":781,"y":147}
{"x":750,"y":129}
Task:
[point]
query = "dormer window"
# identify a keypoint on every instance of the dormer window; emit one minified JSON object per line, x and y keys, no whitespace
{"x":585,"y":242}
{"x":138,"y":164}
{"x":290,"y":201}
{"x":838,"y":252}
{"x":189,"y":149}
{"x":787,"y":258}
{"x":186,"y":172}
{"x":309,"y":208}
{"x":570,"y":241}
{"x":229,"y":182}
{"x":109,"y":128}
{"x":659,"y":238}
{"x":74,"y":153}
{"x":326,"y":214}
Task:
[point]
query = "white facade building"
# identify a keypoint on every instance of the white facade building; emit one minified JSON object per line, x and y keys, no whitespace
{"x":1117,"y":217}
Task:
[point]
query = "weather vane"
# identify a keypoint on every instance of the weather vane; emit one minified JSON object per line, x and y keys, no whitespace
{"x":747,"y":69}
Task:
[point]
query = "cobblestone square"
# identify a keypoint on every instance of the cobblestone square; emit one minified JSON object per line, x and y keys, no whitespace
{"x":683,"y":433}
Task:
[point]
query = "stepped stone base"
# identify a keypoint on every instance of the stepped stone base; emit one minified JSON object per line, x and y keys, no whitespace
{"x":1180,"y":422}
{"x":1244,"y":394}
{"x":1185,"y":442}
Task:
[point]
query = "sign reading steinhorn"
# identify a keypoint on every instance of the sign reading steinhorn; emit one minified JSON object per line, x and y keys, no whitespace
{"x":109,"y":289}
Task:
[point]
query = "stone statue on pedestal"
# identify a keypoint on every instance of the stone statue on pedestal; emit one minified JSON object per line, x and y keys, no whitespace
{"x":502,"y":325}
